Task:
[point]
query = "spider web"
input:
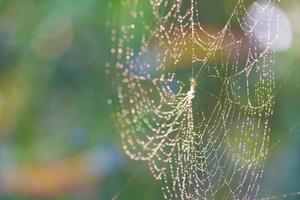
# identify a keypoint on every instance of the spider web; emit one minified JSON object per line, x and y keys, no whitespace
{"x":204,"y":130}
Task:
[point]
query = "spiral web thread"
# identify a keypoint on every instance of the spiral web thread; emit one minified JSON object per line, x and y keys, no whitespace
{"x":205,"y":137}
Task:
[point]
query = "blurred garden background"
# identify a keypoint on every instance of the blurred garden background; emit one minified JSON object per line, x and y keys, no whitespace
{"x":57,"y":134}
